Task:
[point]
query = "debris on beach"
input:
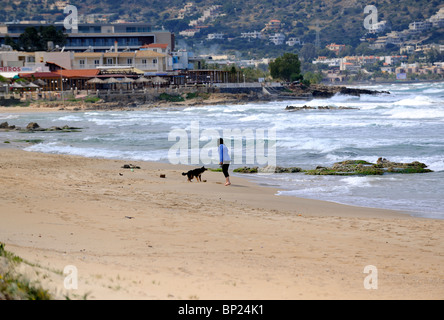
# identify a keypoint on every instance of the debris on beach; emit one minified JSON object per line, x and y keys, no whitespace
{"x":130,"y":166}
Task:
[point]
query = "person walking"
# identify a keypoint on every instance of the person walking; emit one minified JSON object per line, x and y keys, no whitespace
{"x":224,"y":160}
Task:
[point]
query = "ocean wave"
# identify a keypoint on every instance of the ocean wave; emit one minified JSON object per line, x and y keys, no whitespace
{"x":9,"y":117}
{"x":137,"y":155}
{"x":406,"y":113}
{"x":415,"y":101}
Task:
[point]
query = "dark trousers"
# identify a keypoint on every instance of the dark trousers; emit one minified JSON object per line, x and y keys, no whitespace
{"x":225,"y":170}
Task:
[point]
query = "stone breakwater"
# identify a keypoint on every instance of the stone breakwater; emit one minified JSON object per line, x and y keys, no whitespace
{"x":348,"y":168}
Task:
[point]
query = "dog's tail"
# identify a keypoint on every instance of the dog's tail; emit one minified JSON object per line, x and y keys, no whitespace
{"x":184,"y":173}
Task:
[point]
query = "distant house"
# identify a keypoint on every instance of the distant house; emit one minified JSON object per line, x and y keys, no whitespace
{"x":215,"y":36}
{"x":420,"y":25}
{"x":277,"y":39}
{"x":407,"y":49}
{"x":378,"y":27}
{"x":157,"y":47}
{"x":336,"y":48}
{"x":272,"y":26}
{"x":437,"y":20}
{"x":252,"y":35}
{"x":293,"y":41}
{"x":189,"y":32}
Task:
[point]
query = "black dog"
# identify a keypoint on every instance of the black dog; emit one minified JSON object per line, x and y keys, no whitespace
{"x":197,"y":173}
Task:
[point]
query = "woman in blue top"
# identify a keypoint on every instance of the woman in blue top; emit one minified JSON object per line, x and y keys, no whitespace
{"x":224,"y":160}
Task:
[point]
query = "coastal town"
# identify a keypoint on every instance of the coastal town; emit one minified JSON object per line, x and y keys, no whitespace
{"x":128,"y":56}
{"x":221,"y":150}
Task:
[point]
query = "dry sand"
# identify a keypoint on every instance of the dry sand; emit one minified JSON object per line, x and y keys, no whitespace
{"x":134,"y":235}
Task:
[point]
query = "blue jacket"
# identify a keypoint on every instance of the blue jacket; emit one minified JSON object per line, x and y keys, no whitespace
{"x":224,"y":156}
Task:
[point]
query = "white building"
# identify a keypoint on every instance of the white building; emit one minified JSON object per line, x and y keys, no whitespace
{"x":420,"y":25}
{"x":293,"y":41}
{"x":277,"y":39}
{"x":378,"y":27}
{"x":215,"y":36}
{"x":252,"y":35}
{"x":437,"y":20}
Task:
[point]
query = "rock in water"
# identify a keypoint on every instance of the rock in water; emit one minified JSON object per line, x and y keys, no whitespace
{"x":361,"y":167}
{"x":32,"y":126}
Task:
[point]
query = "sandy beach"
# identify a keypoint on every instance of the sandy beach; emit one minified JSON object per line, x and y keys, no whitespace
{"x":135,"y":235}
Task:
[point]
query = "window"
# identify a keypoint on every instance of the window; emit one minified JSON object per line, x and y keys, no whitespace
{"x":82,"y":63}
{"x":129,"y":61}
{"x":143,"y":61}
{"x":154,"y":61}
{"x":96,"y":62}
{"x":109,"y":61}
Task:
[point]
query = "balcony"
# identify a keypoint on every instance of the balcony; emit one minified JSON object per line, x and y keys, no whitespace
{"x":143,"y":67}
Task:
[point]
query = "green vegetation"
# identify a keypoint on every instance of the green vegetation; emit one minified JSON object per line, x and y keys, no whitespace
{"x":34,"y":39}
{"x":91,"y":99}
{"x":286,"y":67}
{"x":171,"y":98}
{"x":14,"y":286}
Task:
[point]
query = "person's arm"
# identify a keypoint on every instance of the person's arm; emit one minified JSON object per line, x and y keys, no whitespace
{"x":221,"y":154}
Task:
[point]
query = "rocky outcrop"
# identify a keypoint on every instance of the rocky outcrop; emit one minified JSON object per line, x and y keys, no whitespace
{"x":267,"y":169}
{"x":33,"y":126}
{"x":305,"y":107}
{"x":361,"y":167}
{"x":322,"y":91}
{"x":347,"y":168}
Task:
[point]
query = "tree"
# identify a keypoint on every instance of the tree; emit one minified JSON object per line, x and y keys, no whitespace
{"x":51,"y":33}
{"x":30,"y":40}
{"x":33,"y":39}
{"x":286,"y":67}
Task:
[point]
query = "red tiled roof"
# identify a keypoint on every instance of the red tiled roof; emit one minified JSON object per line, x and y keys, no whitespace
{"x":156,"y":45}
{"x":82,"y":73}
{"x":39,"y":75}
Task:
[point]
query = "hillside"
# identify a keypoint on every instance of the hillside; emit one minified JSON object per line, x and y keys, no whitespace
{"x":338,"y":21}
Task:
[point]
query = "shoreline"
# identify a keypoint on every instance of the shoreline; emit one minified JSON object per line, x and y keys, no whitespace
{"x":170,"y":105}
{"x":373,"y":211}
{"x":139,"y":236}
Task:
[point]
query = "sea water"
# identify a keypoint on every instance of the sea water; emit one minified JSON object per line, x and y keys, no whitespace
{"x":403,"y":126}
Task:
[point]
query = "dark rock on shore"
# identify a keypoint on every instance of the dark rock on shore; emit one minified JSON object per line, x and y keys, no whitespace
{"x":361,"y":167}
{"x":305,"y":107}
{"x":33,"y":126}
{"x":267,"y":169}
{"x":6,"y":126}
{"x":324,"y":91}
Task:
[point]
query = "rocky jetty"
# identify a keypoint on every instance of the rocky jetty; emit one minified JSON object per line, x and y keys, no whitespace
{"x":267,"y":169}
{"x":361,"y":167}
{"x":324,"y":91}
{"x":305,"y":107}
{"x":33,"y":126}
{"x":347,"y":168}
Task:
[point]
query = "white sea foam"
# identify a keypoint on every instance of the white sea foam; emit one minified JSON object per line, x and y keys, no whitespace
{"x":57,"y":148}
{"x":414,"y":101}
{"x":9,"y":116}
